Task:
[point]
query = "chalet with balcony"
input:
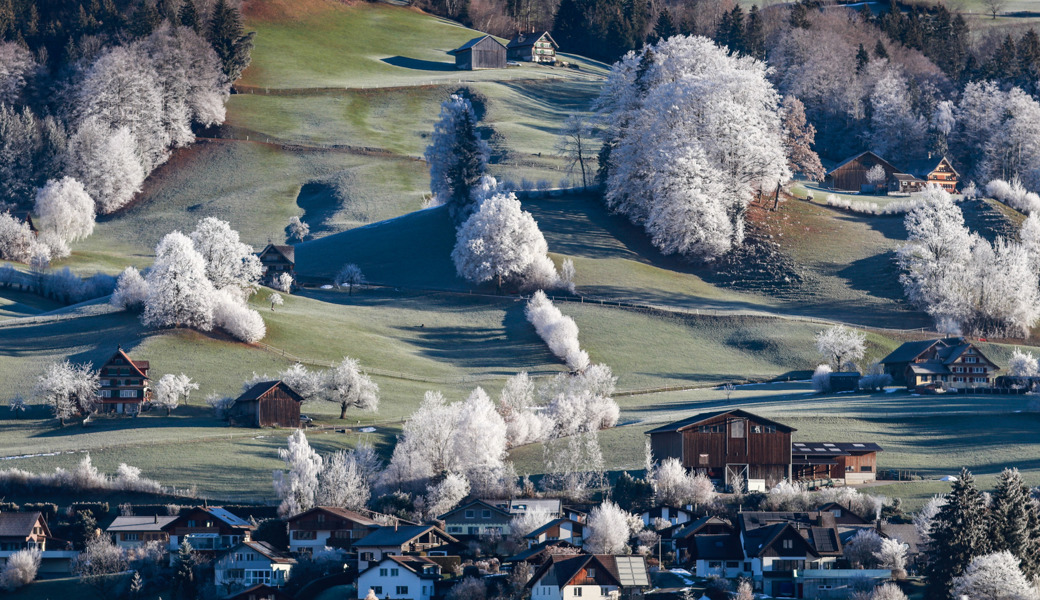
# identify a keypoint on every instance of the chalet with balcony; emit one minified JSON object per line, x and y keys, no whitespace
{"x":277,"y":260}
{"x":732,"y":447}
{"x":400,"y":578}
{"x":588,"y":576}
{"x":673,"y":514}
{"x":938,"y":170}
{"x":537,"y":47}
{"x":683,"y":539}
{"x":484,"y":52}
{"x":848,"y":463}
{"x":327,"y":526}
{"x":250,"y":563}
{"x":399,"y":540}
{"x":124,"y":384}
{"x":29,"y":531}
{"x":477,"y":518}
{"x":209,"y":529}
{"x":555,"y":530}
{"x":267,"y":404}
{"x":134,"y":532}
{"x":951,"y":362}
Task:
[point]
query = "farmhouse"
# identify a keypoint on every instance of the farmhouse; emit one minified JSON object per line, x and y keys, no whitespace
{"x":851,"y":175}
{"x":842,"y":462}
{"x":588,"y":576}
{"x":401,"y":578}
{"x":951,"y":362}
{"x":267,"y":404}
{"x":28,"y":531}
{"x":536,"y":47}
{"x":277,"y":260}
{"x":251,"y":563}
{"x":938,"y":170}
{"x":480,"y":53}
{"x":123,"y":384}
{"x":209,"y":529}
{"x":397,"y":541}
{"x":327,"y":526}
{"x":134,"y":532}
{"x":477,"y":518}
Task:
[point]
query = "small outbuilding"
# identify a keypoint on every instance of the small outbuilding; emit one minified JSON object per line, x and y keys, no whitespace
{"x":537,"y":47}
{"x":845,"y":381}
{"x":480,"y":53}
{"x":267,"y":404}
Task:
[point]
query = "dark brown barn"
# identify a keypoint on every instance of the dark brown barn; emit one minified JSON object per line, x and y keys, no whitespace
{"x":267,"y":404}
{"x":480,"y":53}
{"x":847,"y":462}
{"x":851,"y":175}
{"x":732,"y":447}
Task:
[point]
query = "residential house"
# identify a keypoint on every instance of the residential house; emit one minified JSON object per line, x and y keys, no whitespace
{"x":251,"y":563}
{"x":134,"y":532}
{"x":851,"y":175}
{"x":732,"y":447}
{"x":484,"y":52}
{"x":29,"y":531}
{"x":398,"y":541}
{"x":561,"y":529}
{"x":260,"y":592}
{"x":537,"y":47}
{"x":400,"y":578}
{"x":267,"y":404}
{"x":124,"y":384}
{"x":843,"y":516}
{"x":588,"y":576}
{"x":476,"y":518}
{"x":327,"y":526}
{"x":539,"y":553}
{"x":209,"y":530}
{"x":675,"y":516}
{"x":521,"y":506}
{"x":952,"y":362}
{"x":841,"y":462}
{"x":277,"y":260}
{"x":682,"y":539}
{"x":936,"y":170}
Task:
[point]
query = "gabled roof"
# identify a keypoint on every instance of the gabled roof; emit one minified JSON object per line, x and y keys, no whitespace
{"x":923,"y":166}
{"x":705,"y":416}
{"x":523,"y":40}
{"x":415,"y":564}
{"x":908,"y":351}
{"x":537,"y":549}
{"x":20,"y":524}
{"x":153,"y":523}
{"x":266,"y":550}
{"x":696,"y":526}
{"x":469,"y":45}
{"x":475,"y":505}
{"x":526,"y":505}
{"x":287,"y":252}
{"x":399,"y":536}
{"x":877,"y":158}
{"x":336,"y":511}
{"x":825,"y":540}
{"x":221,"y":514}
{"x":139,"y":366}
{"x":722,"y":546}
{"x":904,"y":532}
{"x":537,"y":532}
{"x":757,"y":541}
{"x":262,"y":388}
{"x":560,"y":571}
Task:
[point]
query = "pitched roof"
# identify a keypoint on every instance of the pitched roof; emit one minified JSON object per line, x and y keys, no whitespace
{"x":923,"y":166}
{"x":825,"y":540}
{"x":337,"y":511}
{"x":757,"y":541}
{"x":550,"y":525}
{"x":20,"y":524}
{"x":231,"y":520}
{"x":908,"y":351}
{"x":904,"y":532}
{"x":268,"y":551}
{"x":693,"y":527}
{"x":860,"y":155}
{"x":145,"y":523}
{"x":700,"y":418}
{"x":523,"y":40}
{"x":540,"y":548}
{"x":258,"y":390}
{"x":399,"y":536}
{"x":525,"y":505}
{"x":719,"y":546}
{"x":287,"y":252}
{"x":415,"y":564}
{"x":469,"y":45}
{"x":140,"y":366}
{"x":560,"y":571}
{"x":478,"y":504}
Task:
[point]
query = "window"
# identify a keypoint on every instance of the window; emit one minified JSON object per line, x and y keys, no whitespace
{"x":321,"y":517}
{"x":971,"y":359}
{"x":455,"y":529}
{"x":304,"y":535}
{"x":485,"y":514}
{"x":382,"y":572}
{"x":378,"y":589}
{"x":717,"y":428}
{"x":866,"y":468}
{"x":106,"y":393}
{"x":747,"y":567}
{"x":130,"y":537}
{"x":127,"y":393}
{"x":788,"y":544}
{"x":714,"y":564}
{"x":702,"y":459}
{"x":577,"y":591}
{"x":590,"y":573}
{"x":402,"y":589}
{"x":736,"y":429}
{"x":470,"y":514}
{"x":395,"y":572}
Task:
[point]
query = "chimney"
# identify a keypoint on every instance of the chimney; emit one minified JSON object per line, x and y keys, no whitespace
{"x":156,"y":519}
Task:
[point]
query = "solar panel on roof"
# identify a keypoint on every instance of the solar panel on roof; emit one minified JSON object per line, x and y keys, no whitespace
{"x":825,"y":542}
{"x":632,"y":571}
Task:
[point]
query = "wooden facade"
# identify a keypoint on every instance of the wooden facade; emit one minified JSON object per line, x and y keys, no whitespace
{"x":851,"y":175}
{"x":844,"y":462}
{"x":943,"y":363}
{"x":267,"y":404}
{"x":124,"y":384}
{"x":209,"y":529}
{"x":277,"y":260}
{"x":480,"y":53}
{"x":23,"y":531}
{"x":732,"y":447}
{"x":537,"y":47}
{"x":938,"y":171}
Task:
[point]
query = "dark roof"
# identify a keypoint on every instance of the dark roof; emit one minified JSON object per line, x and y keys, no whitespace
{"x":906,"y":177}
{"x":339,"y":512}
{"x":19,"y":524}
{"x":287,"y":252}
{"x":227,"y":517}
{"x":523,"y":40}
{"x":270,"y":552}
{"x":825,"y":539}
{"x":260,"y":592}
{"x":475,"y":503}
{"x":692,"y":528}
{"x":550,"y":525}
{"x":757,"y":541}
{"x":469,"y":45}
{"x":258,"y":390}
{"x":623,"y":570}
{"x":923,"y":166}
{"x":699,"y":418}
{"x":537,"y":549}
{"x":399,"y":536}
{"x":904,"y":532}
{"x":860,"y":155}
{"x":908,"y":351}
{"x":725,"y":546}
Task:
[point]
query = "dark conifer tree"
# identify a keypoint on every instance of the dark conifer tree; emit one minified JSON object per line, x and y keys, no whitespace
{"x":862,"y":59}
{"x":665,"y":27}
{"x":188,"y":15}
{"x":146,"y":19}
{"x":959,"y":533}
{"x":880,"y":51}
{"x":1028,"y":51}
{"x":466,"y":168}
{"x":1013,"y":520}
{"x":799,"y":16}
{"x":755,"y":35}
{"x":226,"y":36}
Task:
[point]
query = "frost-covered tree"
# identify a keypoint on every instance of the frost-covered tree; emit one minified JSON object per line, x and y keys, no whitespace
{"x":343,"y":482}
{"x":68,"y":389}
{"x":308,"y":384}
{"x":518,"y":405}
{"x":576,"y":146}
{"x":17,"y":66}
{"x":171,"y":389}
{"x":297,"y":229}
{"x":993,"y":576}
{"x":862,"y":548}
{"x":876,"y":176}
{"x":179,"y":293}
{"x":276,"y":300}
{"x":349,"y":277}
{"x":888,"y":591}
{"x":457,"y":157}
{"x":841,"y":346}
{"x":502,"y":242}
{"x":20,"y":569}
{"x":446,"y":494}
{"x":924,"y":517}
{"x":608,"y":529}
{"x":17,"y":241}
{"x":574,"y":466}
{"x":131,"y":290}
{"x":896,"y":130}
{"x":98,"y":561}
{"x":350,"y":387}
{"x":559,"y":331}
{"x":891,"y":554}
{"x":298,"y":485}
{"x":283,"y":282}
{"x":230,"y":263}
{"x":821,"y":378}
{"x":231,"y":314}
{"x":675,"y":486}
{"x":526,"y":522}
{"x":1014,"y":521}
{"x":581,"y":402}
{"x":64,"y":209}
{"x":103,"y":158}
{"x":1023,"y":364}
{"x":958,"y":536}
{"x":693,"y":134}
{"x":799,"y":137}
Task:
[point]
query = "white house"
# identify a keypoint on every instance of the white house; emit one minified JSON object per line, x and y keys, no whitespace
{"x":521,"y":506}
{"x":398,"y":541}
{"x":588,"y":577}
{"x":557,"y":529}
{"x":251,"y":563}
{"x":400,"y":577}
{"x":675,"y":516}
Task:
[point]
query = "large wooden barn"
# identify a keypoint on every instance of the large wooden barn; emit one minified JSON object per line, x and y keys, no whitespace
{"x":480,"y":53}
{"x":851,"y":175}
{"x":732,"y":447}
{"x":267,"y":404}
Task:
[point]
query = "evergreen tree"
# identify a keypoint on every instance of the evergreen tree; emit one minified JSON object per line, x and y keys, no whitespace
{"x":569,"y":25}
{"x":466,"y":170}
{"x":958,"y":534}
{"x":862,"y":59}
{"x":188,"y":15}
{"x":632,"y":494}
{"x":799,"y":16}
{"x":1004,"y":62}
{"x":892,"y":22}
{"x":226,"y":36}
{"x":1013,"y":520}
{"x":723,"y":30}
{"x":184,"y":572}
{"x":879,"y":50}
{"x":146,"y":19}
{"x":664,"y":28}
{"x":646,"y":62}
{"x":755,"y":35}
{"x":1028,"y":51}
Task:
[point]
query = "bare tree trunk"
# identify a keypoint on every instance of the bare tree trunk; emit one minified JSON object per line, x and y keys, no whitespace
{"x":343,"y":410}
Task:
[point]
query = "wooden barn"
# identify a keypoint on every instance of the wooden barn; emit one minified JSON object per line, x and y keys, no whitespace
{"x":267,"y":404}
{"x":732,"y":447}
{"x":277,"y":260}
{"x":480,"y":53}
{"x":537,"y":47}
{"x":851,"y":175}
{"x":845,"y":462}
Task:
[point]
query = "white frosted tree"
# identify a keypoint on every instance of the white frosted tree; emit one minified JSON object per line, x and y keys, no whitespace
{"x":457,"y":157}
{"x":862,"y":548}
{"x":608,"y":530}
{"x":574,"y":466}
{"x":559,"y":331}
{"x":876,"y":176}
{"x":1023,"y":364}
{"x":994,"y":576}
{"x":888,"y":591}
{"x":179,"y":293}
{"x":104,"y":159}
{"x":131,"y":290}
{"x":501,"y":242}
{"x":350,"y":276}
{"x":581,"y":402}
{"x":276,"y":300}
{"x":230,"y":263}
{"x":16,"y":239}
{"x":518,"y":405}
{"x":897,"y":131}
{"x":283,"y":282}
{"x":64,"y":209}
{"x":892,"y":554}
{"x":297,"y":487}
{"x":841,"y":346}
{"x":446,"y":494}
{"x":20,"y":569}
{"x":68,"y":389}
{"x":924,"y":517}
{"x":297,"y":229}
{"x":350,"y":387}
{"x":16,"y":68}
{"x":231,"y":314}
{"x":343,"y":482}
{"x":675,"y":486}
{"x":171,"y":389}
{"x":526,"y":522}
{"x":308,"y":384}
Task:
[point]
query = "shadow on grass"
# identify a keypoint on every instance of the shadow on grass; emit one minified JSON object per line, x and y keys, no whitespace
{"x":876,"y":275}
{"x":416,"y":64}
